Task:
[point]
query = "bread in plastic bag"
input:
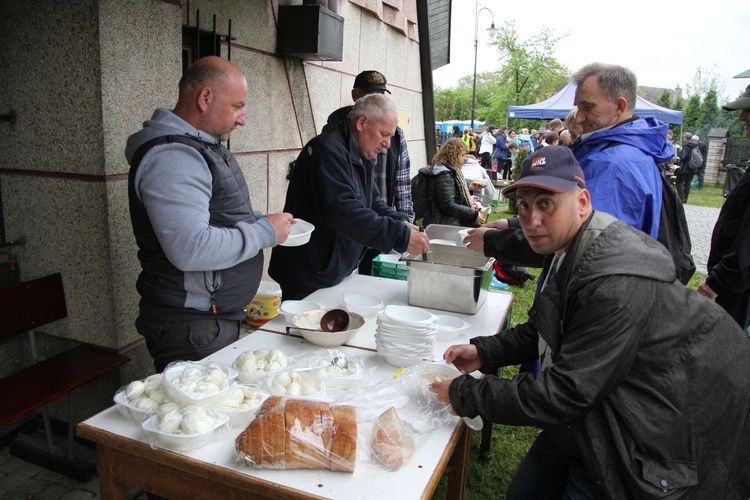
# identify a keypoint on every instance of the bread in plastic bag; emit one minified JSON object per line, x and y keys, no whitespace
{"x":300,"y":434}
{"x":392,"y":441}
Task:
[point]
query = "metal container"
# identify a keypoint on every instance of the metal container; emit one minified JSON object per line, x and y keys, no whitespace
{"x":453,"y":278}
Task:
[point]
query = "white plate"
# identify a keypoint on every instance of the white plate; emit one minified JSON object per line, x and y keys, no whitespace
{"x":300,"y":234}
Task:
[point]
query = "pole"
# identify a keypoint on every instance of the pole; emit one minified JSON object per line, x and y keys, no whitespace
{"x":476,"y":37}
{"x":492,"y":32}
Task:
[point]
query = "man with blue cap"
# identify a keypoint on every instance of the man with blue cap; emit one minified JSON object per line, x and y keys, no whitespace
{"x":627,"y":396}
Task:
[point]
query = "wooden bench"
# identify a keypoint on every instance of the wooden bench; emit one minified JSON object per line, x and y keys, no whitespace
{"x":25,"y":307}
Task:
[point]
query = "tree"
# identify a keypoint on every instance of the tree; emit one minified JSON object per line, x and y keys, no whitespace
{"x":529,"y":71}
{"x":665,"y":99}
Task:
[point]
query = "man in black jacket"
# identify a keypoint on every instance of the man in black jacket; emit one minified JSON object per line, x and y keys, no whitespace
{"x":643,"y":389}
{"x":331,"y":187}
{"x":728,"y":281}
{"x":391,"y":172}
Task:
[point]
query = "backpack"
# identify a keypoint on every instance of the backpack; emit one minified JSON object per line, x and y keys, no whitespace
{"x":510,"y":274}
{"x":420,"y":194}
{"x":525,"y":144}
{"x":696,"y":159}
{"x":674,"y":233}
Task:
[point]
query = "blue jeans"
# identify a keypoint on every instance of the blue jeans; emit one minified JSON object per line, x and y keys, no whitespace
{"x":546,"y":474}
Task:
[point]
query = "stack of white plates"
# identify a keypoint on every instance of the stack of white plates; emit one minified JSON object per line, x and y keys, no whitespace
{"x":405,"y":335}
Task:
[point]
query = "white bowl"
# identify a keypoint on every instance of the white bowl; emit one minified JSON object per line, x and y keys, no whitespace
{"x":448,"y":327}
{"x":408,"y":316}
{"x":129,"y":411}
{"x":181,"y":442}
{"x":291,"y":308}
{"x":365,"y":305}
{"x":401,"y":360}
{"x":240,"y":417}
{"x":251,"y":377}
{"x":176,"y":392}
{"x":300,"y":234}
{"x":276,"y":388}
{"x":308,"y":324}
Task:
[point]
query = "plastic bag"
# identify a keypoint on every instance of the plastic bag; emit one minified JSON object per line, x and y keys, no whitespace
{"x":300,"y":434}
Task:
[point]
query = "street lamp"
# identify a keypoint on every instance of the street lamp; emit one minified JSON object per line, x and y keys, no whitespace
{"x":492,"y":32}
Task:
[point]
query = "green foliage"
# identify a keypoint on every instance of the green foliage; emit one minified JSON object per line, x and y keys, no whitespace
{"x":664,"y":99}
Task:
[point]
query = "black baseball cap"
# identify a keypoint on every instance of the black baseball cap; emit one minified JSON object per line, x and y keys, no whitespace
{"x":371,"y":80}
{"x":553,"y":168}
{"x":742,"y":103}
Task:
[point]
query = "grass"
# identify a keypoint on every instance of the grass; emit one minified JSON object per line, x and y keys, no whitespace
{"x":490,"y":477}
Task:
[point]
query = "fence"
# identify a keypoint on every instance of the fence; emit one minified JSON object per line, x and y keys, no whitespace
{"x":737,"y":150}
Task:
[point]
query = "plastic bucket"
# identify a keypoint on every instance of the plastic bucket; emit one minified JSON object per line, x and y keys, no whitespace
{"x":265,"y":304}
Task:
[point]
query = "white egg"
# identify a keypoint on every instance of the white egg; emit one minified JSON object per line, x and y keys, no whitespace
{"x":283,"y":378}
{"x":216,"y":378}
{"x":308,"y":387}
{"x":261,"y":353}
{"x":226,"y":404}
{"x":295,"y":389}
{"x":195,"y":409}
{"x":249,"y":365}
{"x":191,"y":374}
{"x":206,"y":388}
{"x":279,"y":389}
{"x":153,"y":382}
{"x":262,"y":364}
{"x":250,"y":392}
{"x":236,"y":394}
{"x":135,"y":389}
{"x":167,"y":407}
{"x":243,"y":357}
{"x":353,"y":368}
{"x":276,"y":356}
{"x":273,"y":366}
{"x":145,"y":404}
{"x":296,"y":377}
{"x":196,"y":424}
{"x":170,"y":422}
{"x":158,"y":395}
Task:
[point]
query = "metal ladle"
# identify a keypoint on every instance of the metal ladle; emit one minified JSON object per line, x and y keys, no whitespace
{"x":335,"y":320}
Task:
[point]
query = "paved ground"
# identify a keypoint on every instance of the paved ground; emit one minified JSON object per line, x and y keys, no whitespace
{"x":22,"y":480}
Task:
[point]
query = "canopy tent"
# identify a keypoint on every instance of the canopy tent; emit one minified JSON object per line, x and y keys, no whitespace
{"x":446,"y":127}
{"x":560,"y":104}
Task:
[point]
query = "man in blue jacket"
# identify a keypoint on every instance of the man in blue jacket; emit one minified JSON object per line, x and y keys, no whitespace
{"x":331,"y":187}
{"x":618,"y":153}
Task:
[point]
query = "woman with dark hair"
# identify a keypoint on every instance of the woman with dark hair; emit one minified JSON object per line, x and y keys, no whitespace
{"x":449,"y":199}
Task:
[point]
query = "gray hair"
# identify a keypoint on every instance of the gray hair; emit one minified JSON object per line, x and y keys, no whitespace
{"x":375,"y":106}
{"x":614,"y":80}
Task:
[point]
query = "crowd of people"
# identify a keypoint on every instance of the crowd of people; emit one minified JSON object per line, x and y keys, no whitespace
{"x":641,"y":389}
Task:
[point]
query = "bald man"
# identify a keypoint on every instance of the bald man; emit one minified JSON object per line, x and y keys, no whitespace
{"x":199,"y":240}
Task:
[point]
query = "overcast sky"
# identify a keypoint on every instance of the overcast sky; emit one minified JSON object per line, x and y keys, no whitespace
{"x":662,"y":42}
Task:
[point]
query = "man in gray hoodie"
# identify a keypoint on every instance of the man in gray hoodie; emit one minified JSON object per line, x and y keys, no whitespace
{"x":199,"y":240}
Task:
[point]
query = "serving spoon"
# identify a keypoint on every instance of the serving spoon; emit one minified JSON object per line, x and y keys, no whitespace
{"x":335,"y":320}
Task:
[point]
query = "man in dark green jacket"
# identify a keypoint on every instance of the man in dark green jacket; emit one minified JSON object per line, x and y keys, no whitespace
{"x":644,"y":388}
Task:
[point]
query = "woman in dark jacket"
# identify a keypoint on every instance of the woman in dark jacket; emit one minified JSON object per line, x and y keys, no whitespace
{"x":449,"y":200}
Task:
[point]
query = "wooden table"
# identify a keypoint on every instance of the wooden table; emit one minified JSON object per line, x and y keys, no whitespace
{"x":125,"y":457}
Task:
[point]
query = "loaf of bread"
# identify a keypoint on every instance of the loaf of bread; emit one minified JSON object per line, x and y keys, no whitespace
{"x":392,"y":442}
{"x":300,"y":434}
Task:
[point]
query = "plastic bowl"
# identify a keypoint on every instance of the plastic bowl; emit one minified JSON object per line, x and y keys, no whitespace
{"x":240,"y":417}
{"x":448,"y":327}
{"x":365,"y":305}
{"x":129,"y":411}
{"x":308,"y":324}
{"x":408,"y":316}
{"x":300,"y":234}
{"x":291,"y":308}
{"x":181,"y":442}
{"x":277,"y":387}
{"x":176,"y":392}
{"x":251,"y":377}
